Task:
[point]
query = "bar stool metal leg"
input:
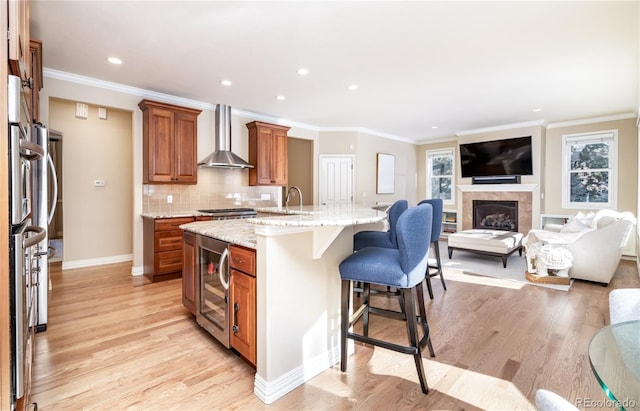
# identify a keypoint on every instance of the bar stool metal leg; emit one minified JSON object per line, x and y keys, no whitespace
{"x":344,"y":322}
{"x":437,"y":267}
{"x":412,"y":334}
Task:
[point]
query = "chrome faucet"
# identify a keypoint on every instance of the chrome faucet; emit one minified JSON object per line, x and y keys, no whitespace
{"x":296,"y":188}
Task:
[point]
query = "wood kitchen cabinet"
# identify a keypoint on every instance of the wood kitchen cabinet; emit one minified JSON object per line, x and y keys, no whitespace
{"x":267,"y":154}
{"x":162,"y":254}
{"x":37,"y":82}
{"x":190,"y":279}
{"x":170,"y":139}
{"x":242,"y":302}
{"x":189,"y":272}
{"x":19,"y":53}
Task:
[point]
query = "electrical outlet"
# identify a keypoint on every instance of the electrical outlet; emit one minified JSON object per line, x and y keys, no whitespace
{"x":169,"y":199}
{"x":265,"y":196}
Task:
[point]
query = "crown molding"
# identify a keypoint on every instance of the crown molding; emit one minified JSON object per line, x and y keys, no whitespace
{"x":121,"y":88}
{"x":438,"y":140}
{"x":501,"y":128}
{"x":615,"y":117}
{"x":367,"y":131}
{"x":274,"y":120}
{"x":168,"y":98}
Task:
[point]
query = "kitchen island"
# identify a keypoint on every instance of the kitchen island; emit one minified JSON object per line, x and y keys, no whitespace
{"x":298,"y":287}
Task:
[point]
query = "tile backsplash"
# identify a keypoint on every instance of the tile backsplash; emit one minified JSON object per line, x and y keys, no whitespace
{"x":216,"y":188}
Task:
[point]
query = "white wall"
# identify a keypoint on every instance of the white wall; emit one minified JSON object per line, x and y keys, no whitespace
{"x":98,"y":219}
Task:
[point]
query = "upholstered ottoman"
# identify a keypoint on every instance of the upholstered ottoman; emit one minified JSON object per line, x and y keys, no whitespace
{"x":497,"y":243}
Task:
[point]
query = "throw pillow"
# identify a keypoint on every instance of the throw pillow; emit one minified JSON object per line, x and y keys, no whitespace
{"x":605,"y":221}
{"x":588,"y":219}
{"x":579,"y":216}
{"x":573,"y":226}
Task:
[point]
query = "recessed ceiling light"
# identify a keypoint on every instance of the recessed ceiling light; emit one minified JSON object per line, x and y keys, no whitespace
{"x":352,"y":87}
{"x":303,"y":71}
{"x":434,"y":127}
{"x":225,"y":82}
{"x":537,"y":110}
{"x":281,"y":97}
{"x":114,"y":60}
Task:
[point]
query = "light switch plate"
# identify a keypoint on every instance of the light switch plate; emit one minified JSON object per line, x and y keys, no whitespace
{"x":98,"y":183}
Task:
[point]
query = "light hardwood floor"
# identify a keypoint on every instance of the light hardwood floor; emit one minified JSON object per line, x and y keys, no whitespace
{"x":114,"y":342}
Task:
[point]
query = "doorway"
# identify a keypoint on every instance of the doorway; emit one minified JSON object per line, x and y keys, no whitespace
{"x":55,"y":191}
{"x":300,"y":169}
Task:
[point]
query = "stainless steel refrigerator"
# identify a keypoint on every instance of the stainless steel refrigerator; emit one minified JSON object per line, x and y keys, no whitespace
{"x":45,"y":189}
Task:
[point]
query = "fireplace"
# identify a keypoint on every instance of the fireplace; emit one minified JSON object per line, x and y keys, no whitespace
{"x":495,"y":215}
{"x":523,"y":194}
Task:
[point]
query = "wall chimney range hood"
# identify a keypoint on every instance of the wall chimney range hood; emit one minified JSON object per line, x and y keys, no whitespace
{"x":222,"y":157}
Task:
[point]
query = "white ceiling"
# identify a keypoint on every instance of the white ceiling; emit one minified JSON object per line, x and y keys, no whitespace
{"x":456,"y":65}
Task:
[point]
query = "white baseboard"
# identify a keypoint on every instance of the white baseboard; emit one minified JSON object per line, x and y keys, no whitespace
{"x":137,"y":271}
{"x":269,"y":391}
{"x":68,"y":265}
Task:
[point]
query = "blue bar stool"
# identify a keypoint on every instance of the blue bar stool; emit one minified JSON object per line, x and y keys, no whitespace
{"x":386,"y":239}
{"x":435,"y":265}
{"x":402,"y":268}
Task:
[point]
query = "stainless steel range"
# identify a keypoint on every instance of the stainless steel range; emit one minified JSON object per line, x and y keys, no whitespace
{"x":212,"y":295}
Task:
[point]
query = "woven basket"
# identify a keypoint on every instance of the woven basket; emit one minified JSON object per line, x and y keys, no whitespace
{"x":547,"y":279}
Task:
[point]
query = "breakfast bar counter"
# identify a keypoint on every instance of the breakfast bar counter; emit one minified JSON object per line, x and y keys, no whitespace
{"x":298,"y":287}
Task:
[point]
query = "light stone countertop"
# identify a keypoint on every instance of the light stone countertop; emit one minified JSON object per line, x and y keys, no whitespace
{"x":174,"y":214}
{"x":317,"y":216}
{"x":242,"y":231}
{"x":237,"y":231}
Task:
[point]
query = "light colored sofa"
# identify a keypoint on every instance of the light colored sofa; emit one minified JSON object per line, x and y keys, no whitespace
{"x":595,"y":240}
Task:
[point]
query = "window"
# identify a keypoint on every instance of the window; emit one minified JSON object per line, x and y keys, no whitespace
{"x":440,"y":181}
{"x":589,"y":177}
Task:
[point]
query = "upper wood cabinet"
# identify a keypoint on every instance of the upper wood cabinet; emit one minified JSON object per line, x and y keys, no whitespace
{"x":170,"y":140}
{"x":37,"y":82}
{"x":267,"y":154}
{"x":19,"y":54}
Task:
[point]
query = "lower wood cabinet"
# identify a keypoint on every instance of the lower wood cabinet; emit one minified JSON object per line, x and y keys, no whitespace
{"x":242,"y":301}
{"x":162,"y":254}
{"x":189,"y":272}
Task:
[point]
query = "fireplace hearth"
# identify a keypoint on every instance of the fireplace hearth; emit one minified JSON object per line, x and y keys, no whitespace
{"x":495,"y":215}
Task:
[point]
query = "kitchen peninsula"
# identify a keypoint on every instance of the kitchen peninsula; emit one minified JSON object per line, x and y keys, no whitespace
{"x":298,"y":286}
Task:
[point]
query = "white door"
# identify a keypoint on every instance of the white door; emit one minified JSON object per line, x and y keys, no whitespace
{"x":336,"y":180}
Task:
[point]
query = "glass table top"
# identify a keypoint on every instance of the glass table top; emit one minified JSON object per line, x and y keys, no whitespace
{"x":614,"y":354}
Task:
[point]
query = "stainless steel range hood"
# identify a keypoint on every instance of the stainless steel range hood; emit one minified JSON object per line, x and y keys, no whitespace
{"x":222,"y":157}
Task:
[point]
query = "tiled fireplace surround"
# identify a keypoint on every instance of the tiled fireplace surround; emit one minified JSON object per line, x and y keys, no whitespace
{"x":524,"y":199}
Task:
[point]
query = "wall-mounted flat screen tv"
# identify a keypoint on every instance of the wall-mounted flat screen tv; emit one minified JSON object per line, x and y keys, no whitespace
{"x":506,"y":157}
